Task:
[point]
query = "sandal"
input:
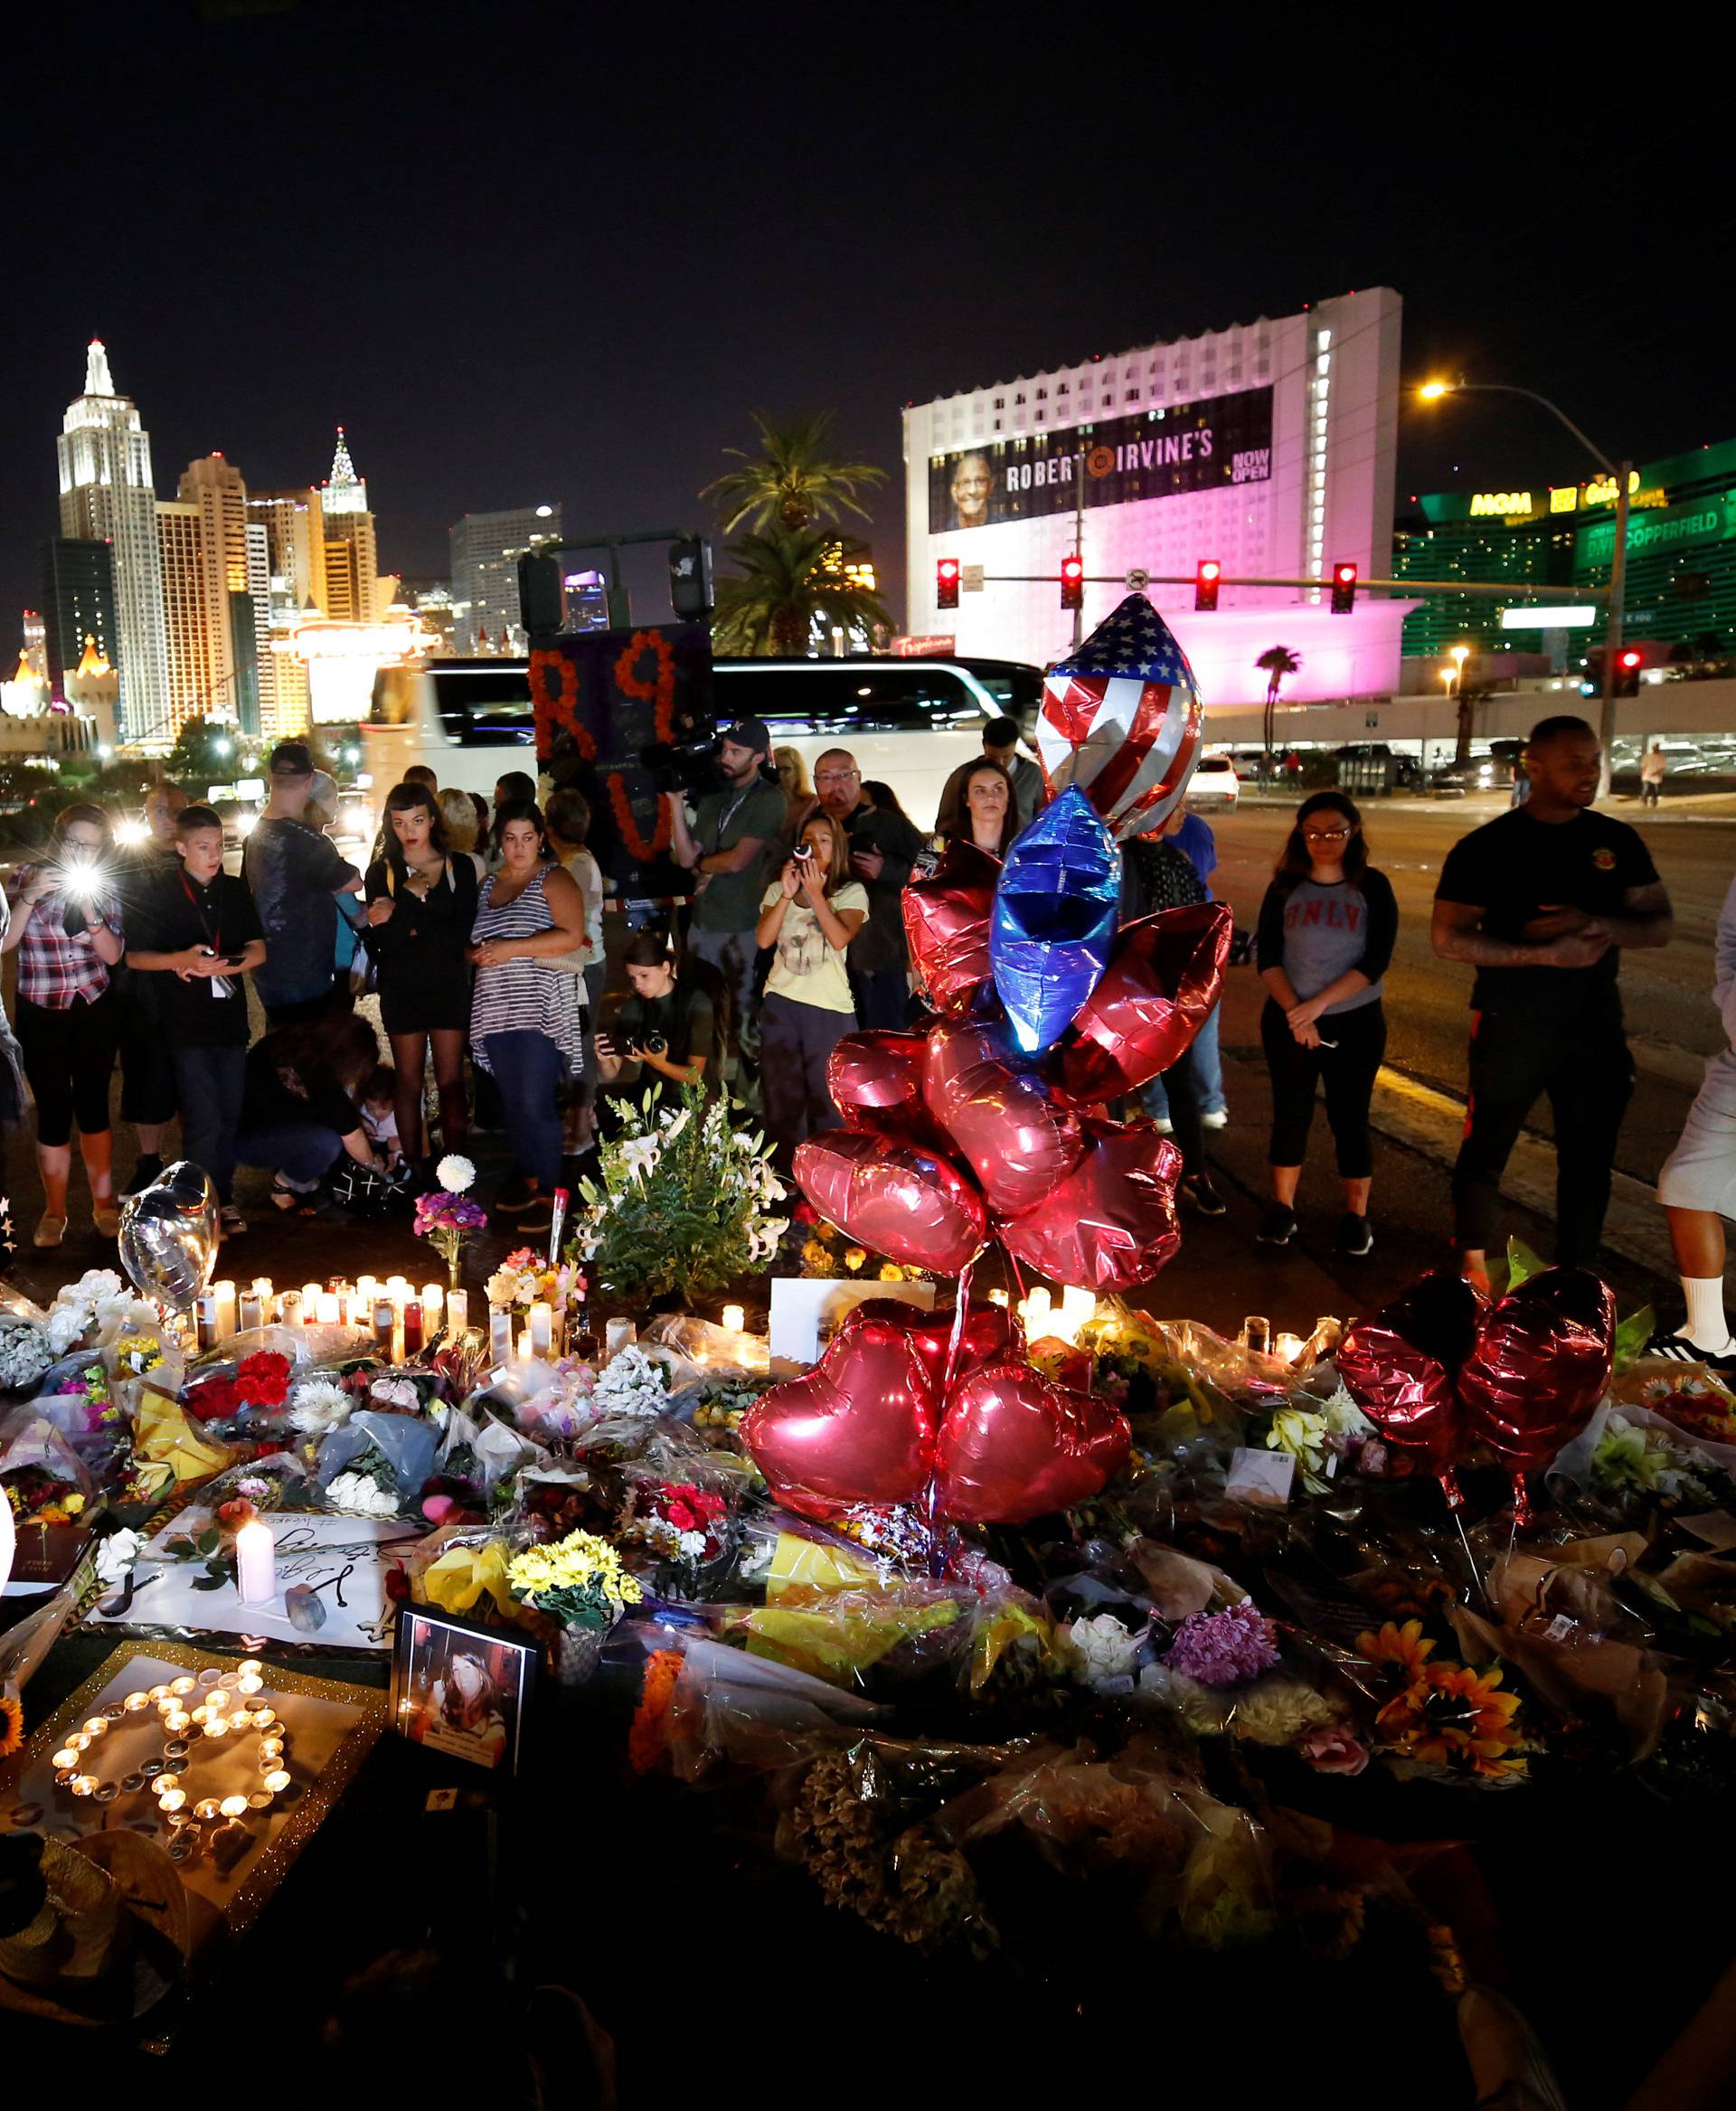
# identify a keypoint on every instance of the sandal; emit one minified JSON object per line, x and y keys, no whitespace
{"x":50,"y":1230}
{"x":291,"y":1202}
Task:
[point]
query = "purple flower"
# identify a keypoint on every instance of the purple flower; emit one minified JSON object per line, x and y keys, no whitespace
{"x":441,"y":1211}
{"x":1224,"y":1649}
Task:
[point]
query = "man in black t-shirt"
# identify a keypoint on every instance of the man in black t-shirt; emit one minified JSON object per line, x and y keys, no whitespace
{"x":195,"y":932}
{"x":1540,"y":900}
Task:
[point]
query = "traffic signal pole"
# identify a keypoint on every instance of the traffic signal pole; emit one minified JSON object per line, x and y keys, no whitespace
{"x":1612,"y":629}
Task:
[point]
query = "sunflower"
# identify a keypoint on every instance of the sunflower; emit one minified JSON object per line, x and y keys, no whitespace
{"x":1454,"y":1717}
{"x":11,"y":1723}
{"x":1402,"y":1647}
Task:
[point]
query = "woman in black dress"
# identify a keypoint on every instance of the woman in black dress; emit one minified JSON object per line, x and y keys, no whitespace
{"x":421,"y":903}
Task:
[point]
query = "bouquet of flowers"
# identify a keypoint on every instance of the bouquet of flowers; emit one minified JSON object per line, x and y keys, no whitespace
{"x":24,"y":1352}
{"x":259,"y":1381}
{"x":524,"y":1278}
{"x":825,"y":1253}
{"x":84,"y":1309}
{"x":685,"y":1200}
{"x":631,"y":1383}
{"x":578,"y":1582}
{"x":683,"y":1524}
{"x":444,"y":1216}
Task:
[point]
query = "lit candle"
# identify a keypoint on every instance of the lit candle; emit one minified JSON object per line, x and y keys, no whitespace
{"x":183,"y":1684}
{"x":264,"y":1717}
{"x":1288,"y":1346}
{"x":385,"y":1317}
{"x":249,"y":1310}
{"x":255,"y":1563}
{"x":412,"y":1331}
{"x":328,"y":1310}
{"x":433,"y":1302}
{"x":135,"y":1702}
{"x":66,"y":1758}
{"x":205,"y":1319}
{"x":368,"y":1286}
{"x":999,"y":1297}
{"x":541,"y":1328}
{"x":207,"y":1807}
{"x":166,"y":1782}
{"x":97,"y":1727}
{"x":225,"y":1291}
{"x":290,"y":1309}
{"x":310,"y":1296}
{"x":82,"y":1784}
{"x":398,"y":1288}
{"x":275,"y":1783}
{"x":500,"y":1334}
{"x":250,"y":1667}
{"x":735,"y":1319}
{"x":620,"y":1334}
{"x":457,"y":1311}
{"x":233,"y":1806}
{"x":171,"y":1800}
{"x":1038,"y":1306}
{"x":523,"y":1344}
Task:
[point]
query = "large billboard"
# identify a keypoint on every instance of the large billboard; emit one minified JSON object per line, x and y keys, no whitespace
{"x":1154,"y":454}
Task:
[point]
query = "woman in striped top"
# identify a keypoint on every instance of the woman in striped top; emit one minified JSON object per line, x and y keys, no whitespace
{"x":526,"y":1008}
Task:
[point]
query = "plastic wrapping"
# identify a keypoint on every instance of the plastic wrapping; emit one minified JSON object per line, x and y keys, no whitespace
{"x":406,"y":1443}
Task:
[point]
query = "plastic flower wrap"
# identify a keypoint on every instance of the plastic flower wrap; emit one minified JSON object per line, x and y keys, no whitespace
{"x":1100,"y":1649}
{"x":1446,"y":1717}
{"x":631,"y":1383}
{"x":24,"y":1352}
{"x":525,"y":1278}
{"x":579,"y":1581}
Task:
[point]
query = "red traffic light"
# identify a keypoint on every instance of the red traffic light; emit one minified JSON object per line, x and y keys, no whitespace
{"x":1072,"y":582}
{"x":946,"y":583}
{"x":1206,"y":576}
{"x":1343,"y":589}
{"x":1629,"y":659}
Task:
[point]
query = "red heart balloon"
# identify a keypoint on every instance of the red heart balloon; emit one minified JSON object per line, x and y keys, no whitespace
{"x":1110,"y":1224}
{"x":1012,"y":1445}
{"x":875,"y":1080}
{"x":1157,"y":991}
{"x":1015,"y":1135}
{"x":946,"y":921}
{"x":859,"y":1427}
{"x":1541,"y":1362}
{"x":991,"y":1335}
{"x":1405,"y":1393}
{"x":907,"y":1203}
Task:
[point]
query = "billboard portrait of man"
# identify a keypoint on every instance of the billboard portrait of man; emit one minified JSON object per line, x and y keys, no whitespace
{"x":973,"y":486}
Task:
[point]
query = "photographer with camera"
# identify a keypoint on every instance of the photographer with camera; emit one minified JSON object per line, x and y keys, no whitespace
{"x":662,"y":1035}
{"x":66,"y":930}
{"x":728,"y":849}
{"x":810,"y":915}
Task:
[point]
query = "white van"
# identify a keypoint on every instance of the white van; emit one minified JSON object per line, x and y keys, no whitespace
{"x":909,"y":722}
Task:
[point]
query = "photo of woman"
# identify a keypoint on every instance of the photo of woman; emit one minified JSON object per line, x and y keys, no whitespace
{"x":461,"y":1690}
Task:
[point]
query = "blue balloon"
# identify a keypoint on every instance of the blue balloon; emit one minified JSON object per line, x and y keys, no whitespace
{"x":1054,"y":919}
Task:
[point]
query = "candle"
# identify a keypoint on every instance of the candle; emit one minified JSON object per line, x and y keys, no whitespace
{"x":542,"y":1327}
{"x":249,"y":1310}
{"x":233,"y":1806}
{"x":171,"y":1799}
{"x":413,"y":1328}
{"x":256,"y":1562}
{"x":225,"y":1291}
{"x":328,"y":1312}
{"x":433,"y":1299}
{"x":205,"y":1319}
{"x":999,"y":1297}
{"x":523,"y":1344}
{"x":500,"y":1334}
{"x":457,"y":1311}
{"x":734,"y":1319}
{"x":621,"y":1333}
{"x":289,"y":1309}
{"x":368,"y":1286}
{"x":398,"y":1288}
{"x":385,"y":1317}
{"x":276,"y":1783}
{"x":310,"y":1295}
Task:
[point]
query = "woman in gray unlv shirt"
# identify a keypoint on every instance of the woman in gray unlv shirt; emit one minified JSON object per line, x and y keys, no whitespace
{"x":1326,"y":929}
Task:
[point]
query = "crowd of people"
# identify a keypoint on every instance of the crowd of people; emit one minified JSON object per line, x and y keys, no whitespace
{"x":481,"y":930}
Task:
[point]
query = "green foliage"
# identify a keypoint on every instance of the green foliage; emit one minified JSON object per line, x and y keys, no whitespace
{"x":208,"y":751}
{"x":790,"y":481}
{"x":684,"y":1201}
{"x":787,"y":583}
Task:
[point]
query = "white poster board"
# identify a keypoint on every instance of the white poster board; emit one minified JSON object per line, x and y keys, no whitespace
{"x":806,"y":1308}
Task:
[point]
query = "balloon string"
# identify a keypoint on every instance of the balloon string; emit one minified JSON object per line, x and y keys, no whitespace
{"x":1014,"y":1271}
{"x":931,"y":1517}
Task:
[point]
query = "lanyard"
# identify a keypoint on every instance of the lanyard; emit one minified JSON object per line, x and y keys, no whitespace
{"x":729,"y":814}
{"x":214,"y":937}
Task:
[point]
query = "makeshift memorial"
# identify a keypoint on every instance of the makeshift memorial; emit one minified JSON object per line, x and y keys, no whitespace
{"x":169,"y":1235}
{"x":685,"y":1202}
{"x":447,"y":1215}
{"x":461,"y":1689}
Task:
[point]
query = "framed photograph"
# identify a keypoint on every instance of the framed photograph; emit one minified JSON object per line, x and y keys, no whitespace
{"x":461,"y":1689}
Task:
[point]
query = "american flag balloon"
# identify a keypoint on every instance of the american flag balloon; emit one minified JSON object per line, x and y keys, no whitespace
{"x":1122,"y":719}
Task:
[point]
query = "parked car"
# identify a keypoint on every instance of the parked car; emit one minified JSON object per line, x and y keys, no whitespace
{"x":1214,"y":783}
{"x":1406,"y":770}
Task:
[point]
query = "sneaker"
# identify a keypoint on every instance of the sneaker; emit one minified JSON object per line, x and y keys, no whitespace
{"x":1218,"y":1117}
{"x":50,"y":1230}
{"x":1355,"y":1239}
{"x":149,"y":1168}
{"x":232,"y":1220}
{"x":1278,"y":1227}
{"x":1163,"y":1126}
{"x":1683,"y":1349}
{"x":1198,"y":1192}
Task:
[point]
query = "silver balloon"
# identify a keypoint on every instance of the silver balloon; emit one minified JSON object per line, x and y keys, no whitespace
{"x":168,"y":1234}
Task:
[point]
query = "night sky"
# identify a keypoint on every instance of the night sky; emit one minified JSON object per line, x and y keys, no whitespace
{"x":528,"y":254}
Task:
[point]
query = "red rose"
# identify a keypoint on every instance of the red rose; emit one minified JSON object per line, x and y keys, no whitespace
{"x":212,"y":1401}
{"x":236,"y":1512}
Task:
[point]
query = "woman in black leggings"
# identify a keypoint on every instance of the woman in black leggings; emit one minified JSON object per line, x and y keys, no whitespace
{"x":1327,"y":930}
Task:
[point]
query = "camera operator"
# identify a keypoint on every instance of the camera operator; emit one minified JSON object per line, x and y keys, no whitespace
{"x":66,"y":927}
{"x":662,"y":1035}
{"x":727,"y":849}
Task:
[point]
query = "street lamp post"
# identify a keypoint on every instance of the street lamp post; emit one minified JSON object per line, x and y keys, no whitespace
{"x":1622,"y":474}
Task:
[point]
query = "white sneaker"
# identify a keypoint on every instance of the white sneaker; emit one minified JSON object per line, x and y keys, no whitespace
{"x":1219,"y":1119}
{"x":1165,"y":1128}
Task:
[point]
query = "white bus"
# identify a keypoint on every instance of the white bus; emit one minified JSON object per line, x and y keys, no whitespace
{"x":908,"y":722}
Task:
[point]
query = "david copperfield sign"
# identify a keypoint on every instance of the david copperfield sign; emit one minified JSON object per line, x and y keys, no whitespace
{"x":1188,"y":447}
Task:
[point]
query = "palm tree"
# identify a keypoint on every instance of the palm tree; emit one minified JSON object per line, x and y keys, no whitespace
{"x":790,"y":481}
{"x":1278,"y":661}
{"x":788,"y":585}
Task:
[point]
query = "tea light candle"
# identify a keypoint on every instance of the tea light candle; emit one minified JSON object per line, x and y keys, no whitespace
{"x":263,"y":1718}
{"x":500,"y":1334}
{"x":275,"y":1783}
{"x":233,"y":1806}
{"x":248,"y":1683}
{"x":206,"y":1807}
{"x":249,"y":1310}
{"x":256,"y":1564}
{"x":82,"y":1784}
{"x":618,"y":1334}
{"x":183,"y":1684}
{"x":250,"y":1667}
{"x":177,"y":1722}
{"x":135,"y":1702}
{"x":457,"y":1311}
{"x":225,"y":1291}
{"x":999,"y":1297}
{"x":66,"y":1756}
{"x":97,"y":1727}
{"x":329,"y":1314}
{"x":1037,"y":1307}
{"x":172,"y":1800}
{"x":541,"y":1328}
{"x":735,"y":1319}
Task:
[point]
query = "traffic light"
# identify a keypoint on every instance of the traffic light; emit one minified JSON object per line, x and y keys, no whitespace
{"x":946,"y":583}
{"x":1206,"y":575}
{"x":1343,"y":589}
{"x":690,"y":580}
{"x":1627,"y":670}
{"x":1072,"y":582}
